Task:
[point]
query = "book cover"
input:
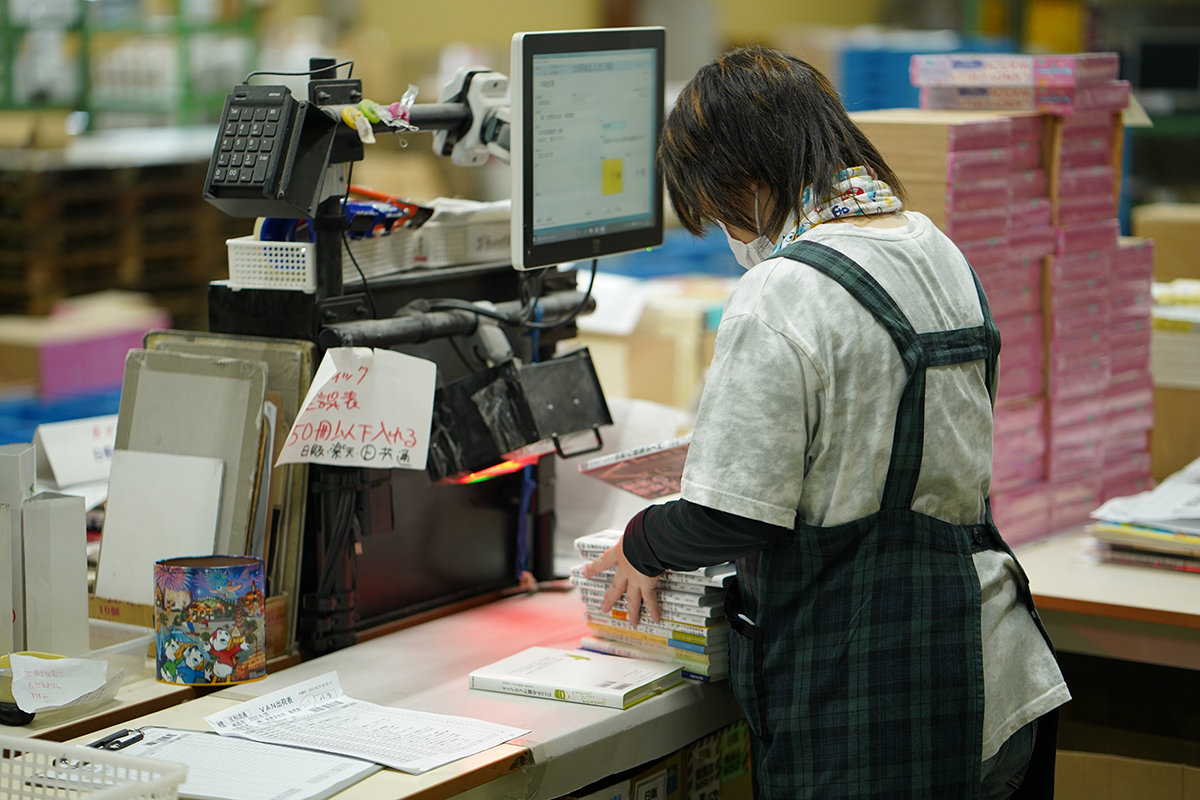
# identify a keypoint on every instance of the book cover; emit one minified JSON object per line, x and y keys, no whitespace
{"x":672,"y":630}
{"x":652,"y":471}
{"x":639,"y":635}
{"x":577,"y":676}
{"x":670,"y":596}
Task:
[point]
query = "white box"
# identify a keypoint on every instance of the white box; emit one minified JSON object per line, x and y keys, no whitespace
{"x":56,"y":603}
{"x":18,"y":476}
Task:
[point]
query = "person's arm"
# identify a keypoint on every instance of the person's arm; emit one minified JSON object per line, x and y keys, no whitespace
{"x":683,"y":536}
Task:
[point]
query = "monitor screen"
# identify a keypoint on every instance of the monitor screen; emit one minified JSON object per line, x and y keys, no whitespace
{"x":587,"y":108}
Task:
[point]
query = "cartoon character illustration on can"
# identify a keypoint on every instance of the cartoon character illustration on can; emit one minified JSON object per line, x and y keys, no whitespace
{"x":210,"y":619}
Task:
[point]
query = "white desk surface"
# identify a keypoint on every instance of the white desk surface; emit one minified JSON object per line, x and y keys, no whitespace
{"x":425,"y":668}
{"x":1120,"y":611}
{"x":1065,"y":576}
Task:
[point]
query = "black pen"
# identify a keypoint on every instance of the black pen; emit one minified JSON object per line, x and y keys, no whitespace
{"x":118,"y":740}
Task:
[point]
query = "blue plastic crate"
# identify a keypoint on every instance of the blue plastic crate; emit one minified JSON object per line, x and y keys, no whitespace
{"x":21,"y":414}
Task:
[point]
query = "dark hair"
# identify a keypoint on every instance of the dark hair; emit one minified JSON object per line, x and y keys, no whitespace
{"x":758,"y":115}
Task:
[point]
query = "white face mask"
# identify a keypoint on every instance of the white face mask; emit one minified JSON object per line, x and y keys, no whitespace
{"x":759,"y":250}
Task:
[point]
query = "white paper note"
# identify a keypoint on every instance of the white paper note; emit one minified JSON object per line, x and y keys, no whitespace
{"x":76,"y":451}
{"x":43,"y":683}
{"x":317,"y":715}
{"x":366,"y":407}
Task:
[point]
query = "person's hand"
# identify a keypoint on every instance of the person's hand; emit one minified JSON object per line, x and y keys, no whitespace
{"x":636,"y":587}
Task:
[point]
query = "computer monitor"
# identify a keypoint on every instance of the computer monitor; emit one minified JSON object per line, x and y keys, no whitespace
{"x":587,"y":110}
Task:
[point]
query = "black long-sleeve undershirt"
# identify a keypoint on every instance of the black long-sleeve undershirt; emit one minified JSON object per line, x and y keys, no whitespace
{"x":684,"y":536}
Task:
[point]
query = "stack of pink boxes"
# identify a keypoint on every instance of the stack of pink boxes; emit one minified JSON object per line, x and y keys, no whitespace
{"x":1092,"y":415}
{"x":1020,"y":499}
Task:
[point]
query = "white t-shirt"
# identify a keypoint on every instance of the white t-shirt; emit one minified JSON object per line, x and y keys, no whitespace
{"x":794,"y":419}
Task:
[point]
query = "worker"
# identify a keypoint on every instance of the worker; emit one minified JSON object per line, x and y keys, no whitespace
{"x":883,"y":641}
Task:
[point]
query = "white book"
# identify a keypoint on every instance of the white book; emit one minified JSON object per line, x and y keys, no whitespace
{"x":666,"y":611}
{"x":593,"y":597}
{"x":682,"y":598}
{"x":667,"y":655}
{"x":56,"y":602}
{"x":6,"y":600}
{"x":577,"y":676}
{"x":18,"y":476}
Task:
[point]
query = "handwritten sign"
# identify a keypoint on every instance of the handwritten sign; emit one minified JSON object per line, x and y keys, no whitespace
{"x":43,"y":683}
{"x":76,"y":451}
{"x":366,"y":407}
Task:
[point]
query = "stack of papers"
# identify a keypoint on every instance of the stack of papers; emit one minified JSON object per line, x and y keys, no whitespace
{"x":1159,"y":528}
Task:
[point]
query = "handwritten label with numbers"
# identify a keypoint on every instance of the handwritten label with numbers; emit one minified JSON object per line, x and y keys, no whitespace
{"x":76,"y":451}
{"x":366,"y":407}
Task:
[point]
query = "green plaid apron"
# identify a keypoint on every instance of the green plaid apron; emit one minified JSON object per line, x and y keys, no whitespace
{"x":856,"y":652}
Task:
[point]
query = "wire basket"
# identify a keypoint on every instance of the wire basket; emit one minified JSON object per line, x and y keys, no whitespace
{"x":31,"y":768}
{"x":255,"y":264}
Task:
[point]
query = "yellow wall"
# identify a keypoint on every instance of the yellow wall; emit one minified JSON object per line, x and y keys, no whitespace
{"x":746,"y":21}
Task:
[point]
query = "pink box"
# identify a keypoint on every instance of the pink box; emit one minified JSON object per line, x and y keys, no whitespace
{"x":1089,"y":123}
{"x":1126,"y":468}
{"x":1081,"y":292}
{"x":1122,"y":303}
{"x":1029,"y":212}
{"x":1134,"y":257}
{"x":1077,"y":320}
{"x":1129,"y":406}
{"x":976,"y":196}
{"x":1129,"y":363}
{"x":1021,"y":367}
{"x":1071,"y":414}
{"x":1070,"y":459}
{"x":1027,"y":154}
{"x":981,"y":134}
{"x":1133,"y":332}
{"x":1010,"y":470}
{"x":1091,"y":236}
{"x":1073,"y":500}
{"x":1125,"y":443}
{"x":1074,"y":379}
{"x":1027,"y":183}
{"x":1127,"y":488}
{"x":1087,"y":180}
{"x":985,"y":253}
{"x":1029,"y":243}
{"x":967,"y":166}
{"x":1027,"y":127}
{"x":1015,"y":291}
{"x":1022,"y":513}
{"x":1010,"y":69}
{"x":1090,"y":264}
{"x":1020,"y":329}
{"x":1077,"y":152}
{"x":1113,"y":95}
{"x":982,"y":224}
{"x":1083,"y":209}
{"x":1019,"y":416}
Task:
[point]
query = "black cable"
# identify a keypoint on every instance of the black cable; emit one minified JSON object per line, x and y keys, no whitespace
{"x":296,"y":74}
{"x":349,"y":252}
{"x":450,"y":304}
{"x":545,"y":326}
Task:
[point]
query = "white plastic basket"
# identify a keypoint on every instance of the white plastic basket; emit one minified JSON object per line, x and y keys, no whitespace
{"x":453,"y":242}
{"x":31,"y":768}
{"x":272,"y":265}
{"x":379,"y":255}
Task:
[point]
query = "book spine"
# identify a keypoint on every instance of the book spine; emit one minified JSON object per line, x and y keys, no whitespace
{"x":641,"y":637}
{"x":641,"y":649}
{"x":633,"y":651}
{"x":671,"y":617}
{"x":674,"y":630}
{"x":628,"y":455}
{"x":700,"y":587}
{"x":591,"y":697}
{"x":693,"y":615}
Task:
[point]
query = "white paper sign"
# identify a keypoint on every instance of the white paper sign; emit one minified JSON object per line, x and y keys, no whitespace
{"x":366,"y":407}
{"x":76,"y":451}
{"x":41,"y":683}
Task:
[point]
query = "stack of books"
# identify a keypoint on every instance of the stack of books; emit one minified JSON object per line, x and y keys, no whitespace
{"x":693,"y":633}
{"x":1158,"y":528}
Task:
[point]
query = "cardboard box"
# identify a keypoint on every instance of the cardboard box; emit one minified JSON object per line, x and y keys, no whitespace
{"x":1096,"y":776}
{"x":1175,"y":438}
{"x":661,"y":780}
{"x":1175,"y":229}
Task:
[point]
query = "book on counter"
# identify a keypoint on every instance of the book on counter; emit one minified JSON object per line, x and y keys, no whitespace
{"x":652,"y":471}
{"x":578,"y":676}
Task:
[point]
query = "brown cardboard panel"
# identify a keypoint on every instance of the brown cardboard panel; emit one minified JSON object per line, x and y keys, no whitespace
{"x":1175,"y":439}
{"x":1175,"y":229}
